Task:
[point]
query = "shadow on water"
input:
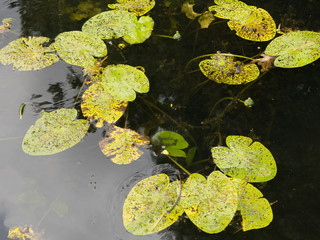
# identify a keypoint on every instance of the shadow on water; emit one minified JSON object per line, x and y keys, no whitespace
{"x":78,"y":194}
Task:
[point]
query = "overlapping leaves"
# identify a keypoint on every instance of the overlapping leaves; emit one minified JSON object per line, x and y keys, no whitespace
{"x":28,"y":54}
{"x":223,"y":69}
{"x":245,"y":159}
{"x":122,"y":145}
{"x":54,"y":132}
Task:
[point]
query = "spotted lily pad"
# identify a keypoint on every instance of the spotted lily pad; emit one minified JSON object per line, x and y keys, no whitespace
{"x":79,"y":48}
{"x":137,"y":7}
{"x":111,"y":24}
{"x":152,"y":205}
{"x":54,"y":132}
{"x":255,"y":210}
{"x":295,"y":49}
{"x":28,"y":54}
{"x":122,"y":145}
{"x":223,"y":69}
{"x":98,"y":105}
{"x":122,"y":81}
{"x":142,"y":32}
{"x":172,"y":142}
{"x":245,"y":159}
{"x":209,"y":203}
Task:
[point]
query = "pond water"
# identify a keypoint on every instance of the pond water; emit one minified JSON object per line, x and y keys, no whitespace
{"x":79,"y":193}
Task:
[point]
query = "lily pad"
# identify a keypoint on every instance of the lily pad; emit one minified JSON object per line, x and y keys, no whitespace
{"x":255,"y":210}
{"x":28,"y":54}
{"x":295,"y":49}
{"x":245,"y":159}
{"x":122,"y":145}
{"x":79,"y":48}
{"x":209,"y":203}
{"x":122,"y":81}
{"x":223,"y":69}
{"x":98,"y":105}
{"x":137,"y":7}
{"x":142,"y":31}
{"x":172,"y":141}
{"x":111,"y":24}
{"x":54,"y":132}
{"x":152,"y":205}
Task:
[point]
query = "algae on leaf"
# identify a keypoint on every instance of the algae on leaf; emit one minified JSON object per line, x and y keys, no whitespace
{"x":122,"y":145}
{"x":255,"y":210}
{"x":54,"y":132}
{"x":98,"y":105}
{"x":295,"y":49}
{"x":245,"y":159}
{"x":79,"y":48}
{"x":122,"y":81}
{"x":223,"y":69}
{"x":209,"y":203}
{"x":111,"y":24}
{"x":137,"y":7}
{"x":152,"y":205}
{"x":27,"y":54}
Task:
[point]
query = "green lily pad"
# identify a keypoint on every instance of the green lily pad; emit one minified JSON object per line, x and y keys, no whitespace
{"x":54,"y":132}
{"x":245,"y":159}
{"x":152,"y":205}
{"x":172,"y":141}
{"x":210,"y":204}
{"x":122,"y":81}
{"x":28,"y":54}
{"x":223,"y":69}
{"x":255,"y":210}
{"x":98,"y":105}
{"x":137,"y":7}
{"x":142,"y":32}
{"x":295,"y":49}
{"x":111,"y":24}
{"x":79,"y":48}
{"x":122,"y":145}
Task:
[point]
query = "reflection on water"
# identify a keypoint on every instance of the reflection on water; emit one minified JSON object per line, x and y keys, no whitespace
{"x":78,"y":194}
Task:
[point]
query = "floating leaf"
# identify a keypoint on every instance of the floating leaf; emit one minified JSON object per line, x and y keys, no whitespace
{"x":187,"y":9}
{"x":79,"y":48}
{"x":295,"y":49}
{"x":122,"y":145}
{"x":223,"y":69}
{"x":111,"y":24}
{"x":142,"y":31}
{"x":205,"y":19}
{"x":255,"y":210}
{"x":54,"y":132}
{"x":152,"y":205}
{"x":210,"y":204}
{"x":137,"y":7}
{"x":23,"y":233}
{"x":173,"y":142}
{"x":28,"y":54}
{"x":245,"y":159}
{"x":121,"y":81}
{"x":98,"y":104}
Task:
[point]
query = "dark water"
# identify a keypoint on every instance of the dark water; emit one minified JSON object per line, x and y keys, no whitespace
{"x":285,"y":118}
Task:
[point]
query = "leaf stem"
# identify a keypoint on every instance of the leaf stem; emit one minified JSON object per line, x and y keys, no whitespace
{"x":175,"y":162}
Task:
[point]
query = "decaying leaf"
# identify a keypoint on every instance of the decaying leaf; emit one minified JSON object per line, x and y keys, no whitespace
{"x":255,"y":210}
{"x":79,"y":48}
{"x":98,"y":105}
{"x":223,"y":69}
{"x":122,"y":145}
{"x":137,"y":7}
{"x":205,"y":19}
{"x":295,"y":49}
{"x":123,"y":81}
{"x":152,"y":205}
{"x":54,"y":132}
{"x":28,"y":54}
{"x":24,"y":233}
{"x":187,"y":9}
{"x":245,"y":159}
{"x":209,"y":203}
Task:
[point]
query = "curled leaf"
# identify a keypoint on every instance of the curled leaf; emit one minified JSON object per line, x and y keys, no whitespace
{"x":187,"y":9}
